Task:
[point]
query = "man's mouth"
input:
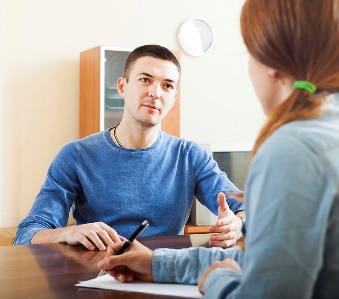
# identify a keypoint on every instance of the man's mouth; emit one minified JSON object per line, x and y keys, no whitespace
{"x":150,"y":106}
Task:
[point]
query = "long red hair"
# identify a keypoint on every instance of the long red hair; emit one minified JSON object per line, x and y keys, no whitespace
{"x":299,"y":38}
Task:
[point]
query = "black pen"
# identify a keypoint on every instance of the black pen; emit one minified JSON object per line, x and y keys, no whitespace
{"x":129,"y":241}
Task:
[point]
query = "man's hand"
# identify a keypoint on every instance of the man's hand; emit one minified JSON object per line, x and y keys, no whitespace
{"x":91,"y":235}
{"x":226,"y":263}
{"x":134,"y":263}
{"x":227,"y":229}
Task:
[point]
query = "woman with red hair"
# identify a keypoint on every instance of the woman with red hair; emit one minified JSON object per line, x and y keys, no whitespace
{"x":292,"y":190}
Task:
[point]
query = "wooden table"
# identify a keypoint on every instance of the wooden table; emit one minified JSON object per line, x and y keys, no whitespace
{"x":52,"y":270}
{"x":7,"y":234}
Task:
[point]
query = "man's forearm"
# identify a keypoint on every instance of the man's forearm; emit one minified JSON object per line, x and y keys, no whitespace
{"x":49,"y":236}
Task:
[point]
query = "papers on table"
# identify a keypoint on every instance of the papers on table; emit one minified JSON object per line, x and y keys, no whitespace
{"x":107,"y":282}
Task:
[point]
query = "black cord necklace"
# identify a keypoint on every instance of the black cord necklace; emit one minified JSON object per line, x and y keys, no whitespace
{"x":115,"y":135}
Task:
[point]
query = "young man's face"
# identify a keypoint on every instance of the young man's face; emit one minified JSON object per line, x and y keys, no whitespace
{"x":151,"y":90}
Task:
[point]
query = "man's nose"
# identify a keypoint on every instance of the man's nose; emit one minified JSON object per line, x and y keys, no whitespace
{"x":154,"y":91}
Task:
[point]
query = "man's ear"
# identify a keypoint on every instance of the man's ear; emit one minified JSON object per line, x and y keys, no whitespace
{"x":174,"y":98}
{"x":121,"y":85}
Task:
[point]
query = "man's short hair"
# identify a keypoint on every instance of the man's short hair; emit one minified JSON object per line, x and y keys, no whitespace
{"x":155,"y":51}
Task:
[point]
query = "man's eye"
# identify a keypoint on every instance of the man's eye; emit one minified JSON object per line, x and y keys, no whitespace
{"x":144,"y":80}
{"x":169,"y":86}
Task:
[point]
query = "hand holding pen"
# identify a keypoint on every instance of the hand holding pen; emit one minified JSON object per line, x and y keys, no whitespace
{"x":129,"y":241}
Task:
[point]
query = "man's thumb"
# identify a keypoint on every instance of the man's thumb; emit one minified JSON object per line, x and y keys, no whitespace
{"x":223,"y":206}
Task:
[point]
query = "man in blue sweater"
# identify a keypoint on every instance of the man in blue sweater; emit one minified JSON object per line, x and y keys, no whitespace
{"x":117,"y":178}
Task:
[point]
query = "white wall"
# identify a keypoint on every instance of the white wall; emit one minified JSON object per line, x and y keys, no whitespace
{"x":39,"y":78}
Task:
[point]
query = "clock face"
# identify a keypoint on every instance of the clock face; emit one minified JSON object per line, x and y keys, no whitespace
{"x":195,"y":37}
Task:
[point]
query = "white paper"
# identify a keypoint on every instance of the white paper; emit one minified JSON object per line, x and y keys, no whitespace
{"x":107,"y":282}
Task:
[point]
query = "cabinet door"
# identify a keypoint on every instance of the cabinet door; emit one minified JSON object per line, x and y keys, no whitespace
{"x":113,"y":107}
{"x":101,"y":106}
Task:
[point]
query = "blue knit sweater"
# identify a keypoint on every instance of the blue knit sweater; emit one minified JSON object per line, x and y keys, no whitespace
{"x":122,"y":187}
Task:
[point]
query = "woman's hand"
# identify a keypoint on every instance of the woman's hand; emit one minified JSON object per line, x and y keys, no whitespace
{"x":226,"y":264}
{"x":134,"y":264}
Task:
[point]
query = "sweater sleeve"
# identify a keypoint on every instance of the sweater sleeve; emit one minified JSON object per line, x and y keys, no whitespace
{"x":210,"y":180}
{"x":53,"y":202}
{"x":187,"y":265}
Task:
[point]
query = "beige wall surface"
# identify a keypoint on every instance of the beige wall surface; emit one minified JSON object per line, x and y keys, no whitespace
{"x":39,"y":78}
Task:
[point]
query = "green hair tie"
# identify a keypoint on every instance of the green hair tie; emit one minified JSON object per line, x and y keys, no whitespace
{"x":305,"y":85}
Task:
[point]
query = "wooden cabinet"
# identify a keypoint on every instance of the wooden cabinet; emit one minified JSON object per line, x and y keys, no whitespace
{"x":195,"y":229}
{"x":101,"y":106}
{"x":7,"y":235}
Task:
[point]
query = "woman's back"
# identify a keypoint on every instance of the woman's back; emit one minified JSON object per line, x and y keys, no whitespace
{"x":292,"y":240}
{"x":328,"y":279}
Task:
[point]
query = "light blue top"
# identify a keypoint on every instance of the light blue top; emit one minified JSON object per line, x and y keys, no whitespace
{"x":123,"y":187}
{"x":292,"y":224}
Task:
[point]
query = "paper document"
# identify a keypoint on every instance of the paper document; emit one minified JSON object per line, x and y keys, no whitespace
{"x":107,"y":282}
